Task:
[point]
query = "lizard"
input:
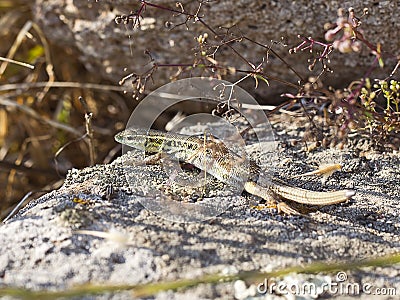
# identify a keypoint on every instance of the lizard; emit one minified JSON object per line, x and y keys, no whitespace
{"x":215,"y":159}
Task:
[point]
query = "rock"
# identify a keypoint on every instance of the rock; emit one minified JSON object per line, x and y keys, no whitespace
{"x":114,"y":50}
{"x":80,"y":234}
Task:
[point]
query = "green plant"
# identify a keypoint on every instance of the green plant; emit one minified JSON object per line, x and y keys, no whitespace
{"x":381,"y":103}
{"x":344,"y":35}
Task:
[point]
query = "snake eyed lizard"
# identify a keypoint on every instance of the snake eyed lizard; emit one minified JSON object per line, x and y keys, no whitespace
{"x":217,"y":160}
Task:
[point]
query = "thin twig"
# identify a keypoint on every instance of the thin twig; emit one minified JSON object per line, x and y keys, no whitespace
{"x":62,"y":149}
{"x":32,"y":113}
{"x":278,"y":56}
{"x":26,"y":65}
{"x":89,"y":134}
{"x":21,"y":168}
{"x":16,"y":44}
{"x":151,"y":289}
{"x":111,"y":154}
{"x":89,"y":131}
{"x":17,"y":207}
{"x":11,"y":176}
{"x":49,"y":64}
{"x":21,"y":203}
{"x":61,"y":84}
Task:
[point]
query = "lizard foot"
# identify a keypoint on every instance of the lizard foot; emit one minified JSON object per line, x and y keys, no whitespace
{"x":282,"y":207}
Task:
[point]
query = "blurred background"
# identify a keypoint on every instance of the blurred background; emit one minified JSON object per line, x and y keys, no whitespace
{"x":40,"y":110}
{"x":62,"y":109}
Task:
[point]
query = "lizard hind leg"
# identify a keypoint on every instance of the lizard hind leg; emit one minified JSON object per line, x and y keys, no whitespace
{"x":271,"y":198}
{"x":283,"y":207}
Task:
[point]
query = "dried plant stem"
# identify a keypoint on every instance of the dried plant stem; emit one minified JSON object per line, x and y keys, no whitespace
{"x":18,"y":40}
{"x":18,"y":161}
{"x":25,"y":199}
{"x":49,"y":64}
{"x":61,"y":84}
{"x":21,"y":168}
{"x":89,"y":134}
{"x":26,"y":65}
{"x":255,"y":277}
{"x":32,"y":113}
{"x":89,"y":130}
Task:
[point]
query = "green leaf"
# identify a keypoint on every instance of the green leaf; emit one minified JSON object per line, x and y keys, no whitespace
{"x":381,"y":63}
{"x":263,"y":79}
{"x":35,"y":52}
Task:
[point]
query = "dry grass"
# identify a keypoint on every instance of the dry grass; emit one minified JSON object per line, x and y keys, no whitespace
{"x":40,"y":110}
{"x":43,"y":118}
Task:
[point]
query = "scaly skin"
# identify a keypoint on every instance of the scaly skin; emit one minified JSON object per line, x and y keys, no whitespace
{"x":228,"y":167}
